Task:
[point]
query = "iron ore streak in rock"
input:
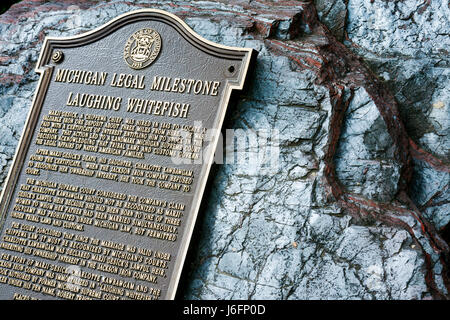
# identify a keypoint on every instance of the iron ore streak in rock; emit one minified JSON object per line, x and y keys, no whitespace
{"x":97,"y":204}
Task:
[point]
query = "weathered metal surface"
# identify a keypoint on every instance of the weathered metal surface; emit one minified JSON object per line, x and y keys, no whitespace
{"x":106,"y":184}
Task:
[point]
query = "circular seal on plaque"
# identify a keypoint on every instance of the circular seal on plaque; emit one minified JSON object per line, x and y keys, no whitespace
{"x":142,"y":48}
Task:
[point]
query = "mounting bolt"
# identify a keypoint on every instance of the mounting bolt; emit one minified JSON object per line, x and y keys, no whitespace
{"x":57,"y":56}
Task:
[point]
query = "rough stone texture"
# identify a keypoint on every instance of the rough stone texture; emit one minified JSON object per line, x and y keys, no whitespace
{"x":365,"y":156}
{"x":407,"y":44}
{"x":333,"y":13}
{"x":334,"y":219}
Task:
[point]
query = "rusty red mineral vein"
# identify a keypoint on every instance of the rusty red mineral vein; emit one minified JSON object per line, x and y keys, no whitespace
{"x":339,"y":68}
{"x":432,"y":201}
{"x":420,"y":154}
{"x":10,"y":78}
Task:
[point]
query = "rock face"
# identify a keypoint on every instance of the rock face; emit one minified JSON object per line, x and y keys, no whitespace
{"x":352,"y":202}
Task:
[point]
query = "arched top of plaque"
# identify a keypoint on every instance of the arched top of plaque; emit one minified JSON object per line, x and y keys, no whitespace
{"x":53,"y":46}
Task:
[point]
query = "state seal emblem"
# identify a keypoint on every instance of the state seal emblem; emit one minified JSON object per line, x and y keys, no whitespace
{"x":142,"y":48}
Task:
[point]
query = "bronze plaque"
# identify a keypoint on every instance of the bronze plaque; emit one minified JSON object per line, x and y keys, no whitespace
{"x":106,"y":184}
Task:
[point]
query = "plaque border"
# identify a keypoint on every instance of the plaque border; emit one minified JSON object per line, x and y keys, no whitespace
{"x":45,"y":67}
